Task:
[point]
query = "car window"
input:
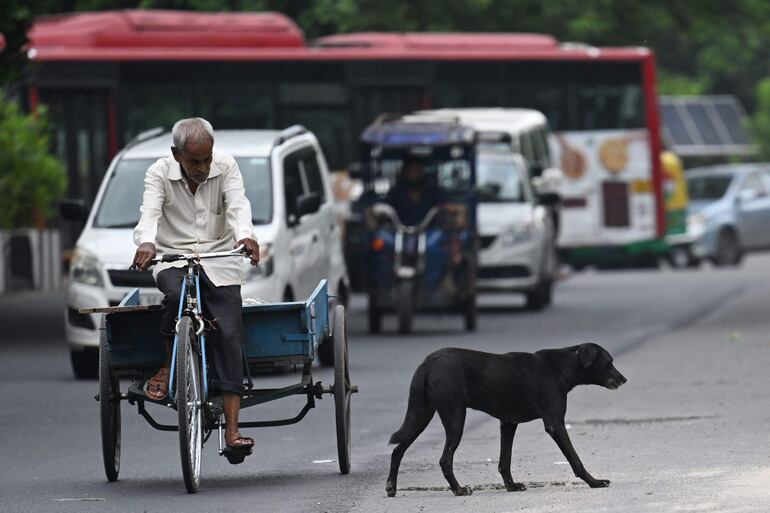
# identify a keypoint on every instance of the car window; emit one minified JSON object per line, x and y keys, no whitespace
{"x":526,"y":148}
{"x":292,"y":184}
{"x":753,"y":183}
{"x":499,"y":179}
{"x":312,"y":173}
{"x":258,"y":182}
{"x":119,"y":207}
{"x":708,"y":187}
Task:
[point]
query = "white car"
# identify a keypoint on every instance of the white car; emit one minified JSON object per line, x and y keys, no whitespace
{"x":517,"y":250}
{"x":300,"y":241}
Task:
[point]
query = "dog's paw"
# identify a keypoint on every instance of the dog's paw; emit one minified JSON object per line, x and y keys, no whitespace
{"x":463,"y":490}
{"x":599,"y":483}
{"x":515,"y":487}
{"x":390,"y":489}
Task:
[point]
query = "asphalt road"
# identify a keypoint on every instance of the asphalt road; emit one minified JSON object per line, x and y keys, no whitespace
{"x":689,"y":432}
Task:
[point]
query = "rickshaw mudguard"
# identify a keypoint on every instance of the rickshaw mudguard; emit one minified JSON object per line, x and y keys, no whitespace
{"x":133,"y":338}
{"x":292,"y":329}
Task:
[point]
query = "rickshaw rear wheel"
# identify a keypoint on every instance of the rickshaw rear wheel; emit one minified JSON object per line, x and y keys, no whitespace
{"x":109,"y":408}
{"x":189,"y":401}
{"x":342,"y":388}
{"x":405,"y":306}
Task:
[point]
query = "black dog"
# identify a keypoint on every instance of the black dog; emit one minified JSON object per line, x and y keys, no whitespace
{"x":513,"y":387}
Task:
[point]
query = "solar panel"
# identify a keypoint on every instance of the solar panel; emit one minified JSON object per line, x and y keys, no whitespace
{"x":705,"y":125}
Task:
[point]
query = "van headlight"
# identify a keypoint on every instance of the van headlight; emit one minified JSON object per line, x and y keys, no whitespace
{"x":521,"y":232}
{"x":265,"y":266}
{"x":85,"y":268}
{"x":696,"y":224}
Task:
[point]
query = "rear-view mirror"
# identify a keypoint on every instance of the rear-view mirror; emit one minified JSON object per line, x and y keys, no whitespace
{"x":308,"y":203}
{"x":73,"y":209}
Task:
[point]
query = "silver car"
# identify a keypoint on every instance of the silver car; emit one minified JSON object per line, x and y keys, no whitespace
{"x":729,"y":212}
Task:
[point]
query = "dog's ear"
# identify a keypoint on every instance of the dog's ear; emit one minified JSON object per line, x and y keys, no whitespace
{"x":587,"y":353}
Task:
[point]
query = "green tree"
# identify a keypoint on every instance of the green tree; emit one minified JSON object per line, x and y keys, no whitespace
{"x":31,"y":179}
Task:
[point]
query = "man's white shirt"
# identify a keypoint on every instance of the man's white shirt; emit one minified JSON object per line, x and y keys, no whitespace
{"x":176,"y":221}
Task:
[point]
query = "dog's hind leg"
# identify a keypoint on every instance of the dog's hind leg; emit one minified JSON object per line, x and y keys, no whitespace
{"x":559,"y":434}
{"x":418,"y":415}
{"x":453,"y":418}
{"x":507,"y":432}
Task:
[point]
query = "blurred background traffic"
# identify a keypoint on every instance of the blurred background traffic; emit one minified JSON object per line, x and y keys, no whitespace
{"x":616,"y":131}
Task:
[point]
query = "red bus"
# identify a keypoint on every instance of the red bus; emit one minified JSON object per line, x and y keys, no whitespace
{"x":108,"y":76}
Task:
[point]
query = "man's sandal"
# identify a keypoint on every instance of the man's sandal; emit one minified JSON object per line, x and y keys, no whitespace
{"x":241,"y":442}
{"x":240,"y":448}
{"x":157,"y":386}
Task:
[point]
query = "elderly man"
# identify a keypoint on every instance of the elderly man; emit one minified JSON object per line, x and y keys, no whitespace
{"x":194,"y":201}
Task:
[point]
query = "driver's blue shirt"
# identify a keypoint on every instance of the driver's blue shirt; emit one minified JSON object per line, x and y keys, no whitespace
{"x":409,"y":212}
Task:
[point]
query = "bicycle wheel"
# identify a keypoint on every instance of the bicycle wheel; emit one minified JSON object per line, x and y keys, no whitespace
{"x":342,"y":389}
{"x":109,"y":408}
{"x":189,"y":397}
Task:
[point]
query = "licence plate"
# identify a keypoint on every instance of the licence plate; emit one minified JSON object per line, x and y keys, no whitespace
{"x":149,"y":298}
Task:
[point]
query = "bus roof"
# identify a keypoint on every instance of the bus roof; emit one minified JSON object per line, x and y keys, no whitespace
{"x":137,"y":30}
{"x":156,"y":35}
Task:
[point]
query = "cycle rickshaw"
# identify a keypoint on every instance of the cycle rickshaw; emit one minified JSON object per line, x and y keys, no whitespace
{"x":131,"y":346}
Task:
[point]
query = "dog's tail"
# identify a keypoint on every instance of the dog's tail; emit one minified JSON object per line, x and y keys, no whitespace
{"x":417,"y":409}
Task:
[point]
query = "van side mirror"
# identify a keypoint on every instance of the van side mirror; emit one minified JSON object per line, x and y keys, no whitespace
{"x":746,"y":195}
{"x":549,"y":199}
{"x":307,"y":204}
{"x":73,"y":209}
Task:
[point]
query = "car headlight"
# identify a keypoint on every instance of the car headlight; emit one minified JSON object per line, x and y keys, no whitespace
{"x":265,"y":266}
{"x":696,"y":223}
{"x":85,"y":268}
{"x":521,"y":232}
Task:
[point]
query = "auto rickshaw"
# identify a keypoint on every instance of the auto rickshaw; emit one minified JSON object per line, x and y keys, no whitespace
{"x":421,"y":256}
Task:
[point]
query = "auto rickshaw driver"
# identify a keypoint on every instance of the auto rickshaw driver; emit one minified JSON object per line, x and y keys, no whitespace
{"x":412,"y":197}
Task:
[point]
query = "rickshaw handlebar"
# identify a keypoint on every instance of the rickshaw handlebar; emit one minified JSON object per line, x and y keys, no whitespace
{"x":388,"y":211}
{"x":176,"y":257}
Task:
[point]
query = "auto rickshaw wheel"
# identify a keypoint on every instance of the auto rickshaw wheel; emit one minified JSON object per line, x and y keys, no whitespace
{"x":374,"y":314}
{"x":470,"y":313}
{"x":405,"y":306}
{"x":109,"y":408}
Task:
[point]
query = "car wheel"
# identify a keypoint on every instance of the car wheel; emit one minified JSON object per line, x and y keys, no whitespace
{"x":728,"y":249}
{"x":537,"y":298}
{"x":85,"y":363}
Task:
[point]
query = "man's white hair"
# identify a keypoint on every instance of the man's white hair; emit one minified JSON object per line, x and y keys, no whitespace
{"x":191,"y":130}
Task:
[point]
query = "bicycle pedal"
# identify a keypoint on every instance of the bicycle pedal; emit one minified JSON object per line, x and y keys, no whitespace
{"x":236,"y":455}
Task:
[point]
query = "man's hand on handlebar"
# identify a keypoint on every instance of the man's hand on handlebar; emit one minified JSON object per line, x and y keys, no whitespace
{"x":251,"y":248}
{"x":144,"y":255}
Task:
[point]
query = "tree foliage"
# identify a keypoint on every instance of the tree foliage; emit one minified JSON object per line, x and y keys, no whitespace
{"x":31,"y":179}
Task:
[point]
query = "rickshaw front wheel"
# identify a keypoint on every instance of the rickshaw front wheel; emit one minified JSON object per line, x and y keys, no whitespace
{"x":189,"y":400}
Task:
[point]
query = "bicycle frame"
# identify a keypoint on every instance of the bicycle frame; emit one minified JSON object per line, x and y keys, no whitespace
{"x":190,"y":306}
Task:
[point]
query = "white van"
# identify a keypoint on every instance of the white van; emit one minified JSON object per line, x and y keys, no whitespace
{"x":517,"y":232}
{"x":298,"y":248}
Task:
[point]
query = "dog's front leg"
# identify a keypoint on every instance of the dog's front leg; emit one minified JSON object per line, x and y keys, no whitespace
{"x":559,"y":434}
{"x":507,"y":432}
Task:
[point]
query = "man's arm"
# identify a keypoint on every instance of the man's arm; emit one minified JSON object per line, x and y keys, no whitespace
{"x":151,"y":209}
{"x":239,"y":211}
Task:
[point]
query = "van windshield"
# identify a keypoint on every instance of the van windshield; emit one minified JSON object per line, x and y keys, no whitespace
{"x":119,"y":207}
{"x":499,"y":179}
